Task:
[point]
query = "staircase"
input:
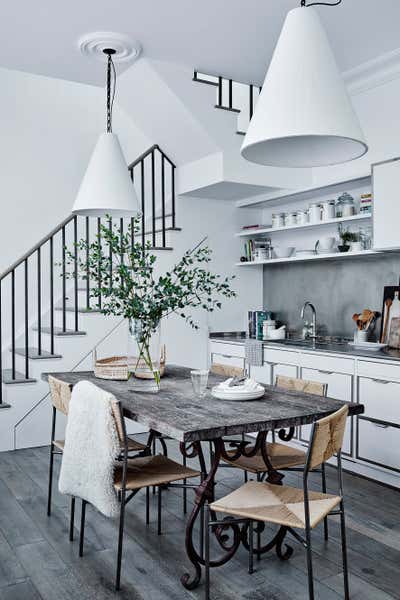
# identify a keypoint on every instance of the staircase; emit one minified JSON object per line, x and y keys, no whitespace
{"x":233,"y":96}
{"x":48,"y":321}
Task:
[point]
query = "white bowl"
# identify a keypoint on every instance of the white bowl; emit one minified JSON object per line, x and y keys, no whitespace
{"x":283,"y":251}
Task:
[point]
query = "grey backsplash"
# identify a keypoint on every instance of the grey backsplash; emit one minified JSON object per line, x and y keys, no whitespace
{"x":338,"y":289}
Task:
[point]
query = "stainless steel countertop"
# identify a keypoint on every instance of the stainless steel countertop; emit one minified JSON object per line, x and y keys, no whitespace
{"x":309,"y":346}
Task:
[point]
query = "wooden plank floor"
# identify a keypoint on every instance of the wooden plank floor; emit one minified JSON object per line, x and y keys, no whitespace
{"x":38,"y":562}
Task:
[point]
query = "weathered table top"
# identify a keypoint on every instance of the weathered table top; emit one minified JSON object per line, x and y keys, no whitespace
{"x":175,"y":411}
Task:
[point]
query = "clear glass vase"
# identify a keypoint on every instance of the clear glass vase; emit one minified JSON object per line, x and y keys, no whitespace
{"x":144,"y":352}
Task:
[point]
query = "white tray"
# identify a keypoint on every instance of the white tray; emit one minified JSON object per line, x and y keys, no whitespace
{"x":370,"y":346}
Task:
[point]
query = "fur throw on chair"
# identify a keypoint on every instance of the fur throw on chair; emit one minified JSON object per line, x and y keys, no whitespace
{"x":91,"y":447}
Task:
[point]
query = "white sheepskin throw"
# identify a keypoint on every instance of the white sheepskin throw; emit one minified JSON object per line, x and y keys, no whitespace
{"x":91,"y":447}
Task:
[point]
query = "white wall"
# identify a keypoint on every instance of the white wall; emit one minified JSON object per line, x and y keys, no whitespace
{"x":48,"y":130}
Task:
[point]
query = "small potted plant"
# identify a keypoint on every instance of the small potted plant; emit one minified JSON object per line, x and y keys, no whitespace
{"x":349,"y":240}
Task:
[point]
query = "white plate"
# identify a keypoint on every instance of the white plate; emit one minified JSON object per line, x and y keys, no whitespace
{"x":372,"y":346}
{"x":237,"y":396}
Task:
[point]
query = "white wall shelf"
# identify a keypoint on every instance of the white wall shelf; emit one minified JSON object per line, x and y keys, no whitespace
{"x":292,"y":259}
{"x":268,"y":230}
{"x":288,"y":196}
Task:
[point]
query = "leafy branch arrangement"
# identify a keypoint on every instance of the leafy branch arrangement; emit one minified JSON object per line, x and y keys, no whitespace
{"x":347,"y":236}
{"x":125,"y":282}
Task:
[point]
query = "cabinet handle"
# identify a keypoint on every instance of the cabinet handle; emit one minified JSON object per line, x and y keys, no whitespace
{"x":382,"y":381}
{"x":226,"y":356}
{"x":380,"y":425}
{"x":271,"y":364}
{"x":325,"y":372}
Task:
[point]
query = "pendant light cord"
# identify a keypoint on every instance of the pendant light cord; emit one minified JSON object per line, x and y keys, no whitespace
{"x":303,"y":3}
{"x":111,"y":83}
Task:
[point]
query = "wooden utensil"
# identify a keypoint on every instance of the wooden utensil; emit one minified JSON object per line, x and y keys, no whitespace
{"x":388,"y":304}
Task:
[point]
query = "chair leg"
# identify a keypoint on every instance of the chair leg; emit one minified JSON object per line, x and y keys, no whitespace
{"x":323,"y":475}
{"x":147,"y":506}
{"x":159,"y":510}
{"x":184,"y":490}
{"x":309,"y":564}
{"x":344,"y":553}
{"x":71,"y":520}
{"x":120,"y":540}
{"x":82,"y":531}
{"x":207,"y":556}
{"x":246,"y":478}
{"x":251,"y":546}
{"x":49,"y":494}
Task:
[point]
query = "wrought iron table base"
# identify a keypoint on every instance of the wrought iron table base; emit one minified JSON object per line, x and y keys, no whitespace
{"x":238,"y":533}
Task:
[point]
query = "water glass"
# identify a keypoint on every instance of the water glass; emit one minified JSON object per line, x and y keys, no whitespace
{"x":199,"y":381}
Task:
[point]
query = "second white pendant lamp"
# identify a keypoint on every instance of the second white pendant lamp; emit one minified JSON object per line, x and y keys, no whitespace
{"x":304,"y":116}
{"x":107,"y":188}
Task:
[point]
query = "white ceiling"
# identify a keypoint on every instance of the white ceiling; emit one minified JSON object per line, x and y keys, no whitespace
{"x":234,"y":38}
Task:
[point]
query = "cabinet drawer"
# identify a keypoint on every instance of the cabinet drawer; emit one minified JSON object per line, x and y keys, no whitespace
{"x":227,"y":349}
{"x":225,"y":359}
{"x":381,"y":399}
{"x":262,"y":374}
{"x":332,"y":364}
{"x":379,"y":370}
{"x":340,"y":385}
{"x":272,"y":355}
{"x":283,"y":369}
{"x":378,"y":444}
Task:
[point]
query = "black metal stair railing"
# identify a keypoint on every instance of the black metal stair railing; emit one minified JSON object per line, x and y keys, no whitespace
{"x":226,"y":94}
{"x":36,"y":284}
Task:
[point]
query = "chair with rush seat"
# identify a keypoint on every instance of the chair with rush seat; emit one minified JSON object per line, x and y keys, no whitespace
{"x":291,"y":508}
{"x":60,"y":394}
{"x":282,"y":456}
{"x":132,"y":475}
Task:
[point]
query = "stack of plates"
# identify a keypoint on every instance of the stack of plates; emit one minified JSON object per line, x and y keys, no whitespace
{"x":239,"y":393}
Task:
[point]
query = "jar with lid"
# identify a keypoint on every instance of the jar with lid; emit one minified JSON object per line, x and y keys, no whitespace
{"x":314,"y":212}
{"x":278,"y":220}
{"x":345,"y":205}
{"x":328,"y":210}
{"x":291,"y":219}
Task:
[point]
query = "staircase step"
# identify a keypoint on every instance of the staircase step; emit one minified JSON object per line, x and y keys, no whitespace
{"x":200,"y":80}
{"x":235,"y":110}
{"x":33,"y":353}
{"x":81,"y":309}
{"x":19,"y":377}
{"x":241,"y":133}
{"x":59,"y":332}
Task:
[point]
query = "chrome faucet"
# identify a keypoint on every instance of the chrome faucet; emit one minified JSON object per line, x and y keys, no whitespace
{"x":309,"y":329}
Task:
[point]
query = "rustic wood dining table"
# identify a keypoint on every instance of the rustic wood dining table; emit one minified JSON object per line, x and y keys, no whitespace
{"x":177,"y":413}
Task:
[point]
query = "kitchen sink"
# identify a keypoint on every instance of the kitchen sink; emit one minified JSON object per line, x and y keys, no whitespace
{"x":308,"y":343}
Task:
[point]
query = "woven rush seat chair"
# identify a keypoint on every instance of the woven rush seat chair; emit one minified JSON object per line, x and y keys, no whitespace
{"x":282,"y":456}
{"x":292,"y":508}
{"x":60,"y":395}
{"x":134,"y":474}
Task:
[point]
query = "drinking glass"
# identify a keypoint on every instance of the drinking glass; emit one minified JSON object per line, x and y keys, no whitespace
{"x":199,"y":381}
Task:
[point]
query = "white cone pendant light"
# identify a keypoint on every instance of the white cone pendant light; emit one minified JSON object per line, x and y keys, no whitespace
{"x":107,"y":188}
{"x":304,"y":116}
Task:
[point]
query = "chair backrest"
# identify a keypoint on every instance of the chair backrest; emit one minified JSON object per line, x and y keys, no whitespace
{"x":60,"y":394}
{"x":327,"y":437}
{"x":227,"y":370}
{"x":301,"y":385}
{"x":119,"y":423}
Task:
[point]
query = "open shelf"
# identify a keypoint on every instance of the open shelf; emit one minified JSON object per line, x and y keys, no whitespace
{"x":288,"y":196}
{"x":292,"y":259}
{"x":268,"y":230}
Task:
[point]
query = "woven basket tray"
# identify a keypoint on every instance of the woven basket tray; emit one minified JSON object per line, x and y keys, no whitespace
{"x":116,"y":367}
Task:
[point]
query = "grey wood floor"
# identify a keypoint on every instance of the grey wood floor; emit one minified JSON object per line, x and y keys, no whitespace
{"x":38,"y":562}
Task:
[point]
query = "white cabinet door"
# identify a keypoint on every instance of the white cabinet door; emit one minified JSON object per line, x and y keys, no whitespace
{"x":262,"y":374}
{"x":283,"y":369}
{"x":340,"y":386}
{"x":386,"y":205}
{"x":378,"y":444}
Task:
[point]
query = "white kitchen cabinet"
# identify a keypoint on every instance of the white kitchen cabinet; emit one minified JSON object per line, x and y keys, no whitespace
{"x":378,"y":444}
{"x":381,"y":399}
{"x":386,"y":205}
{"x":340,"y":386}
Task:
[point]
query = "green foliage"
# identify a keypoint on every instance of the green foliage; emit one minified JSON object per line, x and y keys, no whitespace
{"x":124,"y":278}
{"x":347,"y":236}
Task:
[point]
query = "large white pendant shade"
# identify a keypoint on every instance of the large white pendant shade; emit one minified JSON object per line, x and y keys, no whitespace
{"x":304,"y":116}
{"x":107,"y":188}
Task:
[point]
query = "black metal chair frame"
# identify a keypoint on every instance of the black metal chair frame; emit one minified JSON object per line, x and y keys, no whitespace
{"x":305,"y":542}
{"x":124,"y":498}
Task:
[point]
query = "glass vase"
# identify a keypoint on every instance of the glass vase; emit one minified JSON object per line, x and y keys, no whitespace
{"x":144,"y":352}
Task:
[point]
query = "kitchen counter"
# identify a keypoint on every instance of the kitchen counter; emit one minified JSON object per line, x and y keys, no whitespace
{"x":328,"y":347}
